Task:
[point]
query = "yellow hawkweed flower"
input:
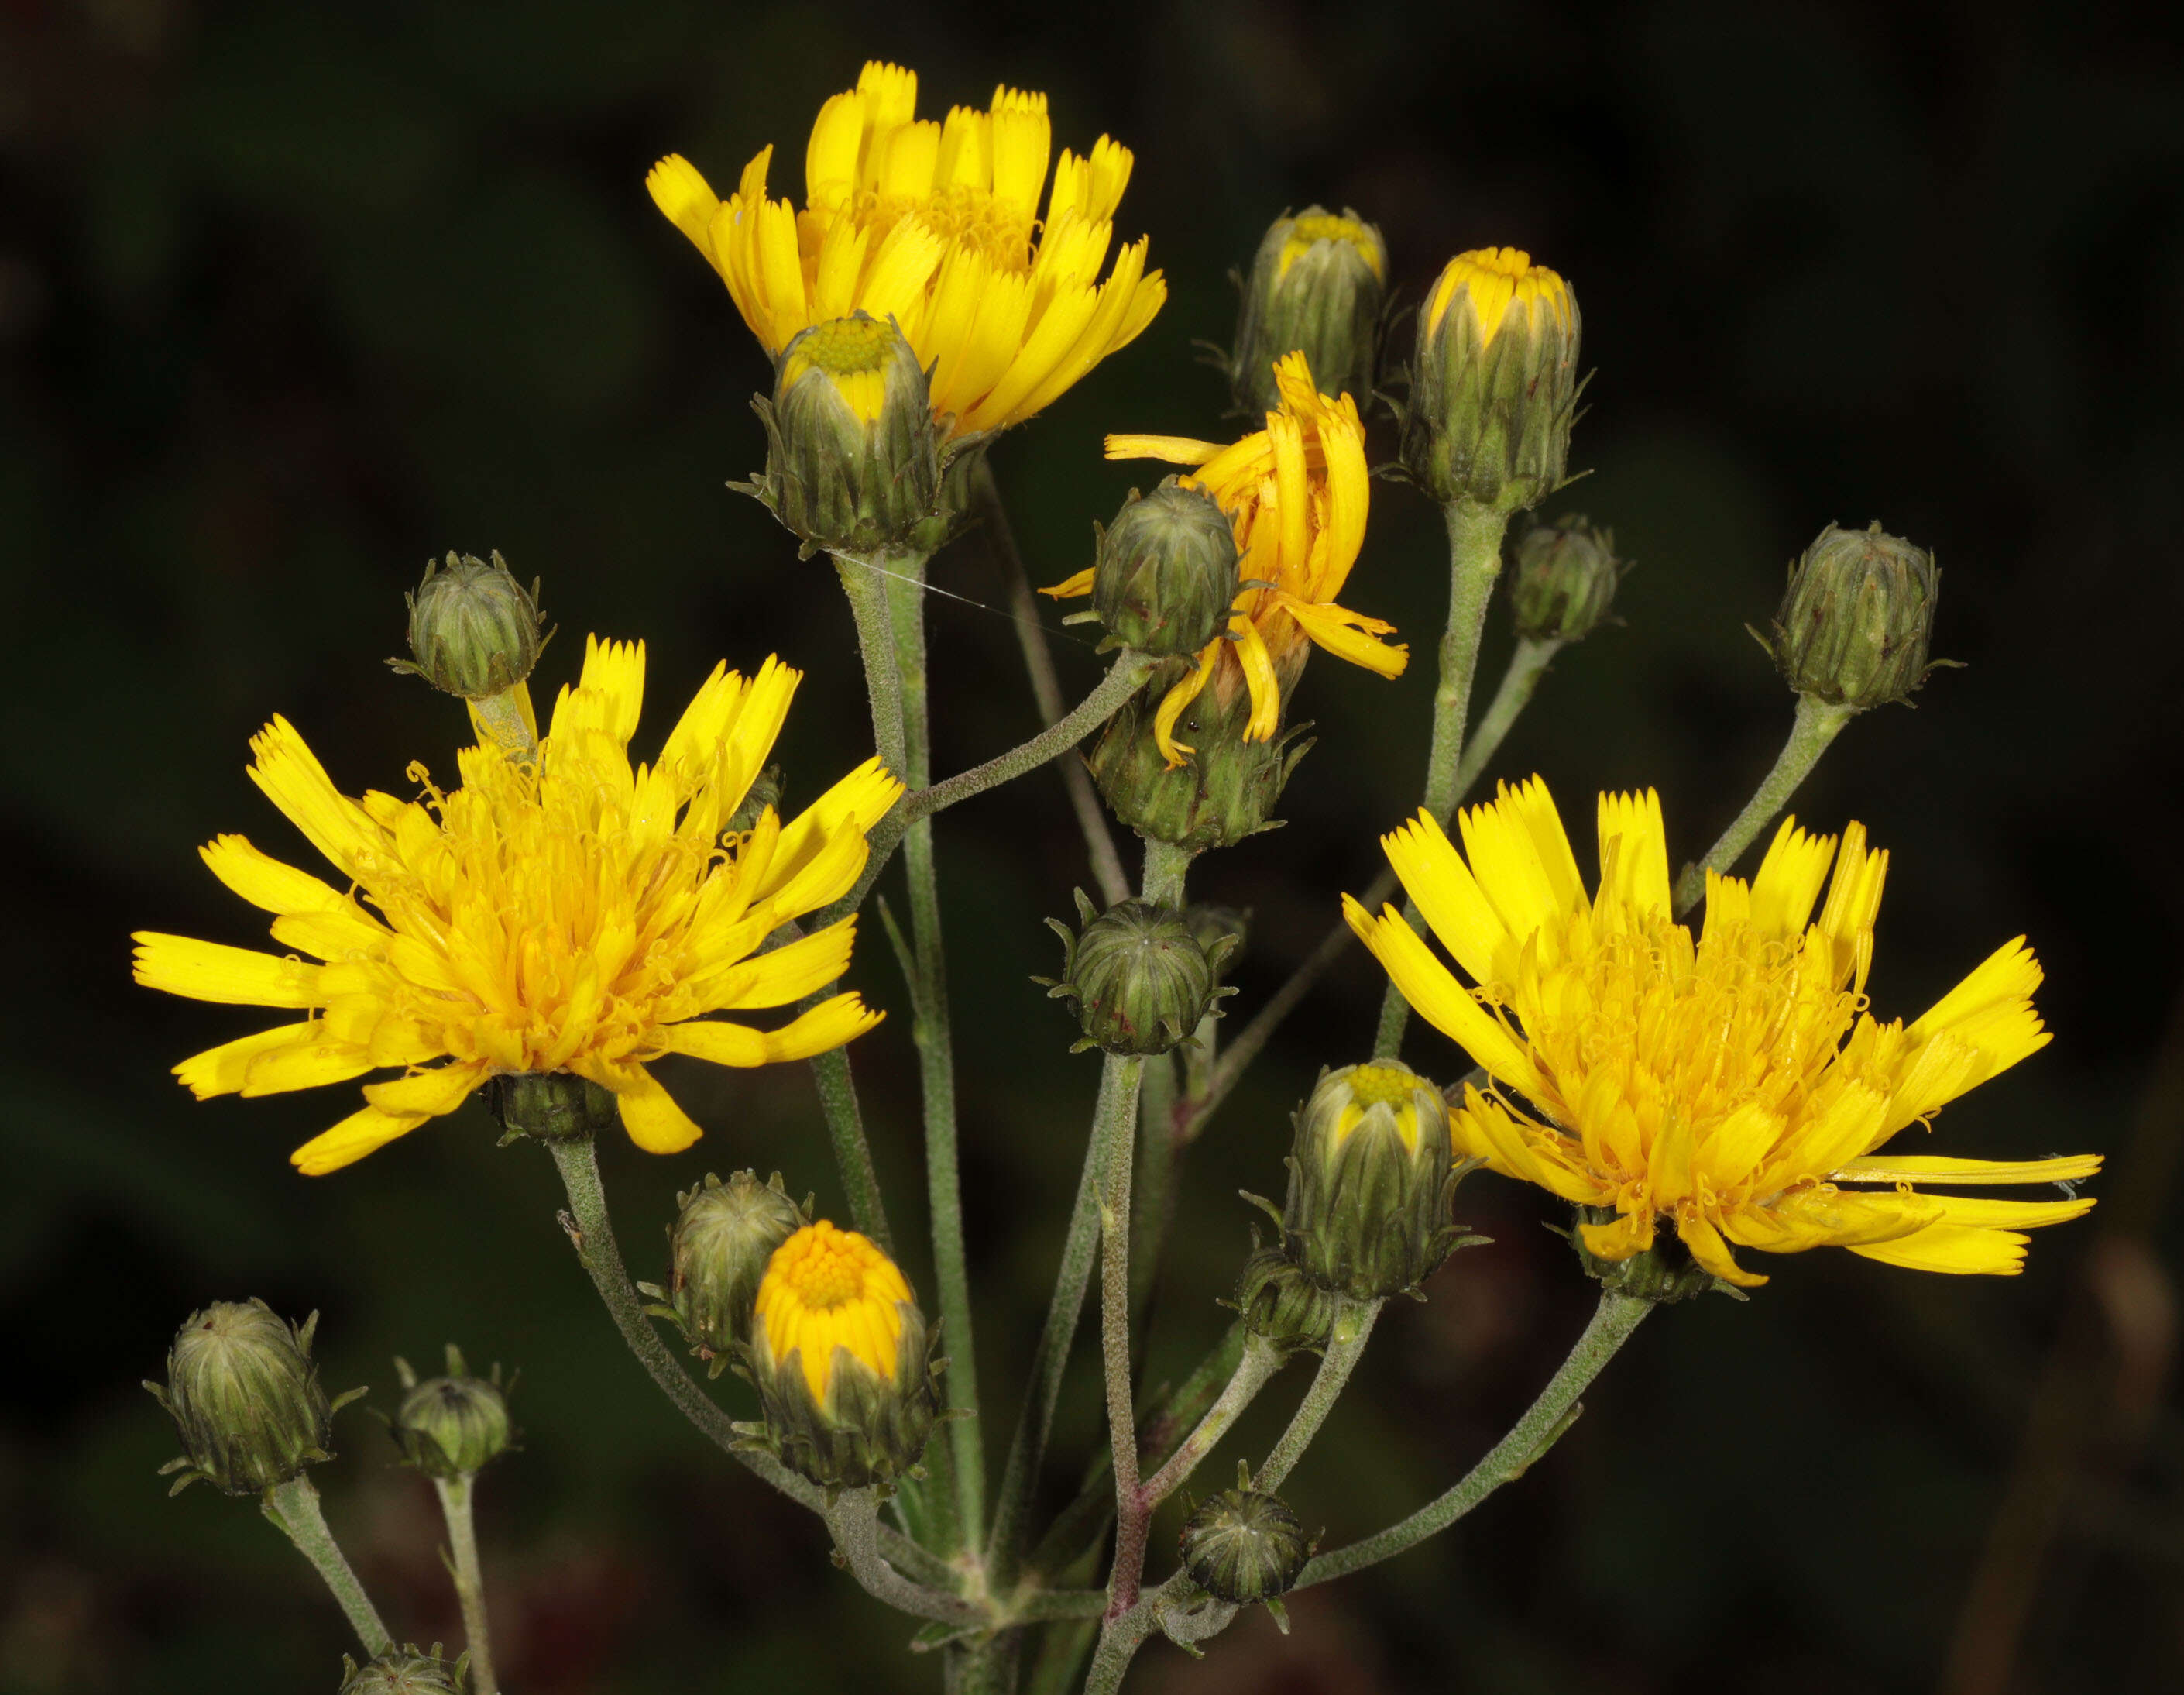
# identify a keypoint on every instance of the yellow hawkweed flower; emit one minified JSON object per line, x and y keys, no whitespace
{"x":937,"y":226}
{"x":560,"y":911}
{"x":1731,"y":1083}
{"x":826,"y":1288}
{"x":1296,"y":493}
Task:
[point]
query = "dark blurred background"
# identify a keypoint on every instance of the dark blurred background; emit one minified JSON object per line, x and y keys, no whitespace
{"x":292,"y":297}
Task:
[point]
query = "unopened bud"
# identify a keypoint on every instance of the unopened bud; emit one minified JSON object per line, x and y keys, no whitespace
{"x":1280,"y":1304}
{"x":245,"y":1396}
{"x":853,"y":457}
{"x":452,"y":1426}
{"x":719,"y":1245}
{"x":1138,"y":976}
{"x":844,"y":1362}
{"x":1493,"y":383}
{"x":1856,"y":618}
{"x":1246,"y":1545}
{"x":1316,"y":288}
{"x":474,"y":630}
{"x":1370,"y":1179}
{"x":1167,"y":572}
{"x":1562,"y":580}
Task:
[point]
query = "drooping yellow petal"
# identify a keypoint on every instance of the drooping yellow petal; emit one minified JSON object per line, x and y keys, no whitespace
{"x":832,"y":1023}
{"x":649,"y":1114}
{"x":1440,"y":999}
{"x":221,"y":1070}
{"x":363,"y":1132}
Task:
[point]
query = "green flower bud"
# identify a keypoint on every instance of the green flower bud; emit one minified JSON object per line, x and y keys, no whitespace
{"x":473,"y":630}
{"x":551,"y":1105}
{"x":1228,"y":789}
{"x":1167,"y":572}
{"x":853,"y":457}
{"x":1316,"y":288}
{"x":1370,"y":1178}
{"x":1564,"y":580}
{"x":1493,"y":383}
{"x":451,"y":1426}
{"x":404,"y":1671}
{"x":1665,"y":1272}
{"x":1280,"y":1304}
{"x":1244,"y":1544}
{"x":719,"y":1246}
{"x":843,"y":1362}
{"x":1856,"y":620}
{"x":242,"y":1391}
{"x":1137,"y":976}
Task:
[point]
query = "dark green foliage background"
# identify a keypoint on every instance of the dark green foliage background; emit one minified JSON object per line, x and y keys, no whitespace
{"x":294,"y":296}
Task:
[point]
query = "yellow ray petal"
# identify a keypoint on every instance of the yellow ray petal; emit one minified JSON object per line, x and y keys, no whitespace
{"x":648,"y":1112}
{"x":1634,"y":841}
{"x":1176,"y":700}
{"x":1713,"y":1253}
{"x":1070,"y":588}
{"x":427,"y":1094}
{"x":1789,"y":880}
{"x":212,"y":970}
{"x":1344,"y":633}
{"x":1959,"y":1249}
{"x":266,"y":881}
{"x":1438,"y":998}
{"x":361,"y":1133}
{"x":305,"y":1065}
{"x":287,"y":771}
{"x":1426,"y":862}
{"x":1175,"y":450}
{"x":783,"y":974}
{"x":681,"y":192}
{"x":1940,"y":1169}
{"x":829,"y":1025}
{"x":221,"y":1070}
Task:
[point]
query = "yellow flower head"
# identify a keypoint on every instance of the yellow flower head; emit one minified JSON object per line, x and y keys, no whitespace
{"x":561,"y":910}
{"x":1496,"y":279}
{"x":1296,"y":493}
{"x":1313,"y":227}
{"x":937,"y":226}
{"x":1733,"y":1082}
{"x":826,"y":1288}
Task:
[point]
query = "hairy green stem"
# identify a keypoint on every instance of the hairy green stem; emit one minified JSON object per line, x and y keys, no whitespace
{"x":853,"y":1153}
{"x":1124,"y":678}
{"x":1045,"y":685}
{"x":1530,"y":1437}
{"x":1475,"y":560}
{"x":1119,"y":1093}
{"x":1528,"y":664}
{"x":1254,"y":1369}
{"x":853,"y":1519}
{"x":867,"y":583}
{"x":1160,"y":1430}
{"x":1345,"y":1346}
{"x":590,"y":1230}
{"x":455,"y":1494}
{"x":294,"y":1507}
{"x":1050,"y":1360}
{"x":1816,"y":725}
{"x":1167,"y":868}
{"x":936,"y":1058}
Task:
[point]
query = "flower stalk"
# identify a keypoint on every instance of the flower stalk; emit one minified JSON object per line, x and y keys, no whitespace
{"x":455,"y":1494}
{"x":294,"y":1507}
{"x":1815,"y":727}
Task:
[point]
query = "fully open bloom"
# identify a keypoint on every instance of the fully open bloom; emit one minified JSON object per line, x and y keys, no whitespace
{"x":560,"y":912}
{"x":937,"y":226}
{"x":1296,"y":493}
{"x":1731,"y":1083}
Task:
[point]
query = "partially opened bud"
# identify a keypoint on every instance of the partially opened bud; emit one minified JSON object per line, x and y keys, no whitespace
{"x":853,"y":459}
{"x":1229,"y":788}
{"x":1245,"y":1545}
{"x":1493,"y":383}
{"x":1139,"y":978}
{"x":404,"y":1671}
{"x":1562,"y":580}
{"x":245,"y":1396}
{"x":843,"y":1360}
{"x":1856,"y":619}
{"x":474,"y":630}
{"x":1316,"y":288}
{"x":1167,"y":572}
{"x":452,"y":1426}
{"x":1370,"y":1179}
{"x":719,"y":1245}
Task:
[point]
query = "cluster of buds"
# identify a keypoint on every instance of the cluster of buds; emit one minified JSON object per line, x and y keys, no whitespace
{"x":474,"y":630}
{"x":1856,"y":618}
{"x":855,"y":462}
{"x":1246,"y":1545}
{"x":245,"y":1396}
{"x":451,"y":1426}
{"x":1562,"y":580}
{"x":844,"y":1362}
{"x":1494,"y":383}
{"x":1316,"y":288}
{"x":1138,"y":975}
{"x":1372,"y":1172}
